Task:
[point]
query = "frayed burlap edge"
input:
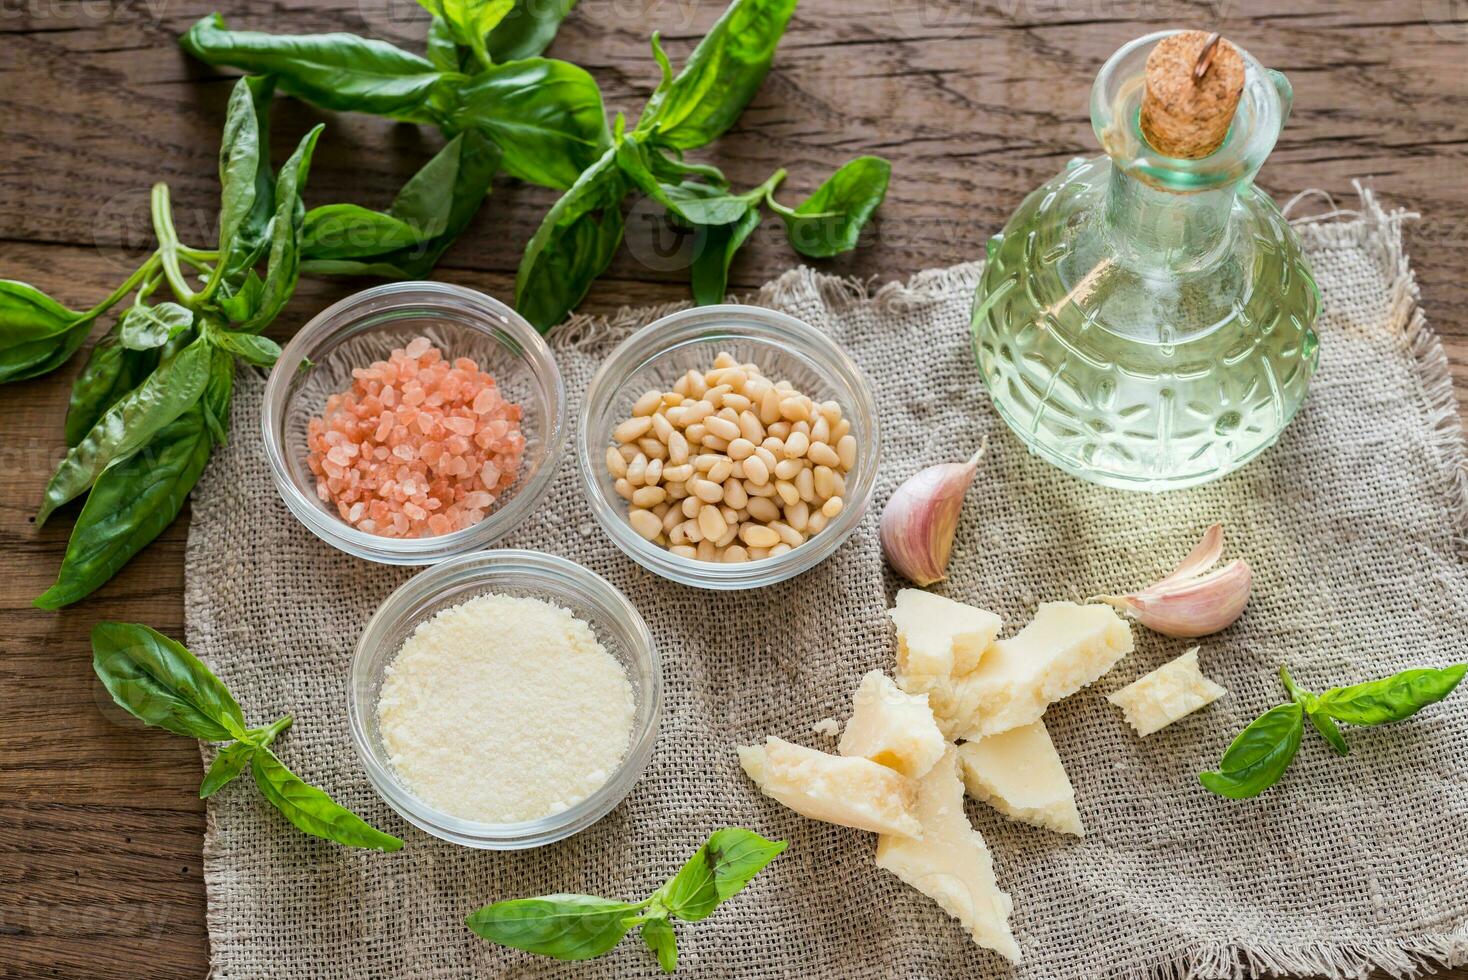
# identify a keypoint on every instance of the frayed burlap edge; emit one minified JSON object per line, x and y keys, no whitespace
{"x":1380,"y":231}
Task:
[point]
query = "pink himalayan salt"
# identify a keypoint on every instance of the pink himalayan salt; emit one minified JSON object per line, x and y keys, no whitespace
{"x":417,"y":446}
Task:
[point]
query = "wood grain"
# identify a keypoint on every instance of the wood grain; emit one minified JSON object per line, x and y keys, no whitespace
{"x":974,"y":102}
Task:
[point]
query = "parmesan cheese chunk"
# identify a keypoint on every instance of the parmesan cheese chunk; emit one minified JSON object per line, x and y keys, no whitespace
{"x":1019,"y":773}
{"x":847,"y":791}
{"x":1064,"y":648}
{"x":1168,"y":693}
{"x":951,"y":864}
{"x":937,"y":637}
{"x":892,"y":728}
{"x":939,"y":640}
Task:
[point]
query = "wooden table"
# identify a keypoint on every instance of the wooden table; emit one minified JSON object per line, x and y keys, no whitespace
{"x":974,"y":103}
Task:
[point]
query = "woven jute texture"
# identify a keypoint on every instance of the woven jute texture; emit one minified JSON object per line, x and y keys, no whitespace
{"x":1354,"y":524}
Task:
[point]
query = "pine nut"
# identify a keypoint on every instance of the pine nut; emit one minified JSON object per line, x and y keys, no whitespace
{"x":794,"y":409}
{"x":833,"y":506}
{"x":648,"y":403}
{"x":763,"y":509}
{"x":825,"y":482}
{"x":846,"y":451}
{"x":755,"y":469}
{"x":759,"y":536}
{"x":690,"y":506}
{"x":787,"y":469}
{"x":797,"y":515}
{"x":787,"y":492}
{"x":788,"y":535}
{"x":734,"y":554}
{"x":796,"y":445}
{"x":779,"y":549}
{"x":823,"y":454}
{"x":769,"y":407}
{"x":821,"y":431}
{"x":707,"y":551}
{"x":765,"y":489}
{"x":734,"y":494}
{"x":741,"y":449}
{"x":662,"y":428}
{"x":648,"y":496}
{"x":645,"y":523}
{"x":616,"y":465}
{"x":654,"y":472}
{"x":711,"y":523}
{"x":805,"y":484}
{"x":677,"y":448}
{"x":636,"y":470}
{"x":715,"y":444}
{"x":684,"y":551}
{"x":721,"y":427}
{"x":816,"y":523}
{"x":736,"y":401}
{"x":624,"y":489}
{"x":652,"y":448}
{"x":708,"y":491}
{"x":680,"y":473}
{"x":632,"y":429}
{"x":721,"y":469}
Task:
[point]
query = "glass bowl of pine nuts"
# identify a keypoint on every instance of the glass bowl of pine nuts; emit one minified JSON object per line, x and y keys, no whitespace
{"x":729,"y":447}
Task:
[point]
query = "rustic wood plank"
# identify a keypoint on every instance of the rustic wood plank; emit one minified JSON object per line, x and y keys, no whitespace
{"x":974,"y":103}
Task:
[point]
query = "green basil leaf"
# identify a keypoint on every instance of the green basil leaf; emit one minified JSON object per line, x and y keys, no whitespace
{"x":311,"y":810}
{"x":240,"y":153}
{"x":285,"y":235}
{"x":217,"y":394}
{"x":545,"y":115}
{"x":470,"y":20}
{"x":710,"y":272}
{"x":573,"y":245}
{"x":1329,"y":731}
{"x":335,"y":71}
{"x":528,"y":29}
{"x":565,"y":927}
{"x":111,"y":371}
{"x":130,"y":424}
{"x":145,"y":327}
{"x":1390,"y":698}
{"x":37,"y":334}
{"x":432,"y":209}
{"x":1260,"y":754}
{"x":229,"y":763}
{"x":444,"y":50}
{"x":131,"y":503}
{"x":720,"y":869}
{"x":159,"y":682}
{"x":670,"y":168}
{"x":658,"y":934}
{"x":693,"y":201}
{"x":830,"y":221}
{"x":720,"y":77}
{"x":240,"y":302}
{"x":255,"y":349}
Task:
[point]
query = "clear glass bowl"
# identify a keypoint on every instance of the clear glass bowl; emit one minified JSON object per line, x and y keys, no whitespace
{"x":520,"y":573}
{"x":366,"y":327}
{"x":783,"y":347}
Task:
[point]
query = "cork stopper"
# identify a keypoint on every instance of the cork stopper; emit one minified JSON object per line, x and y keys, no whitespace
{"x":1194,"y":81}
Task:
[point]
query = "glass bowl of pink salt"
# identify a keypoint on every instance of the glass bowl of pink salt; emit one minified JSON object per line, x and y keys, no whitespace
{"x":413,"y":422}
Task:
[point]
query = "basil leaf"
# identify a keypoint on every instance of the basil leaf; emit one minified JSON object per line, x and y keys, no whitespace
{"x":720,"y":77}
{"x":335,"y":71}
{"x":830,"y":221}
{"x":1329,"y":731}
{"x":255,"y":349}
{"x":145,"y":327}
{"x":217,"y":394}
{"x":720,"y":869}
{"x":1260,"y":754}
{"x":239,"y":303}
{"x":545,"y":115}
{"x":159,"y":682}
{"x":709,"y":275}
{"x":111,"y":371}
{"x":430,"y":212}
{"x":469,"y":21}
{"x":528,"y":29}
{"x":229,"y":763}
{"x":131,"y":503}
{"x":444,"y":50}
{"x":130,"y":424}
{"x":565,"y":927}
{"x":573,"y":245}
{"x":658,"y":934}
{"x":693,"y":201}
{"x":240,"y":154}
{"x":285,"y":235}
{"x":311,"y":810}
{"x":37,"y":334}
{"x":1390,"y":698}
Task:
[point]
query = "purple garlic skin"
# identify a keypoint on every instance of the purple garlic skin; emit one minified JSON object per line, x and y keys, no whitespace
{"x":1188,"y":603}
{"x":919,"y":522}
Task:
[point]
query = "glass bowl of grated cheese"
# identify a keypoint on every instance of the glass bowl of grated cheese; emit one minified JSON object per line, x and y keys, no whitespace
{"x":489,"y":708}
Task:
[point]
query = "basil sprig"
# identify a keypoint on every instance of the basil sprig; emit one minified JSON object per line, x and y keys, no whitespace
{"x":1262,"y":752}
{"x":152,"y":401}
{"x":579,"y":927}
{"x":545,"y":120}
{"x":161,"y":683}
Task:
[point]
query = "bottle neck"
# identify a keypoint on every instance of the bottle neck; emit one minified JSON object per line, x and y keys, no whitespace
{"x":1158,"y":231}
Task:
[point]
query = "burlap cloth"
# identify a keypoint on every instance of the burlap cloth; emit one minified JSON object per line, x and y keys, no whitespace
{"x":1354,"y":524}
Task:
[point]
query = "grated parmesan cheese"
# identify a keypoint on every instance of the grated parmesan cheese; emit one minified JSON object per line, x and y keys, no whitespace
{"x":503,"y":709}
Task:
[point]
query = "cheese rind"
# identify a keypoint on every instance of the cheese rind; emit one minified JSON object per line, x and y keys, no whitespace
{"x":1020,"y":774}
{"x":951,"y":864}
{"x":1063,"y":649}
{"x":1170,"y":692}
{"x":852,"y":792}
{"x":891,"y":727}
{"x":937,"y":637}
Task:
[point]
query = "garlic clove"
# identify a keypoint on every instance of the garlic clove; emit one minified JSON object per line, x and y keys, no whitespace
{"x":1192,"y":607}
{"x":1201,"y":558}
{"x":919,"y":522}
{"x":1188,"y":603}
